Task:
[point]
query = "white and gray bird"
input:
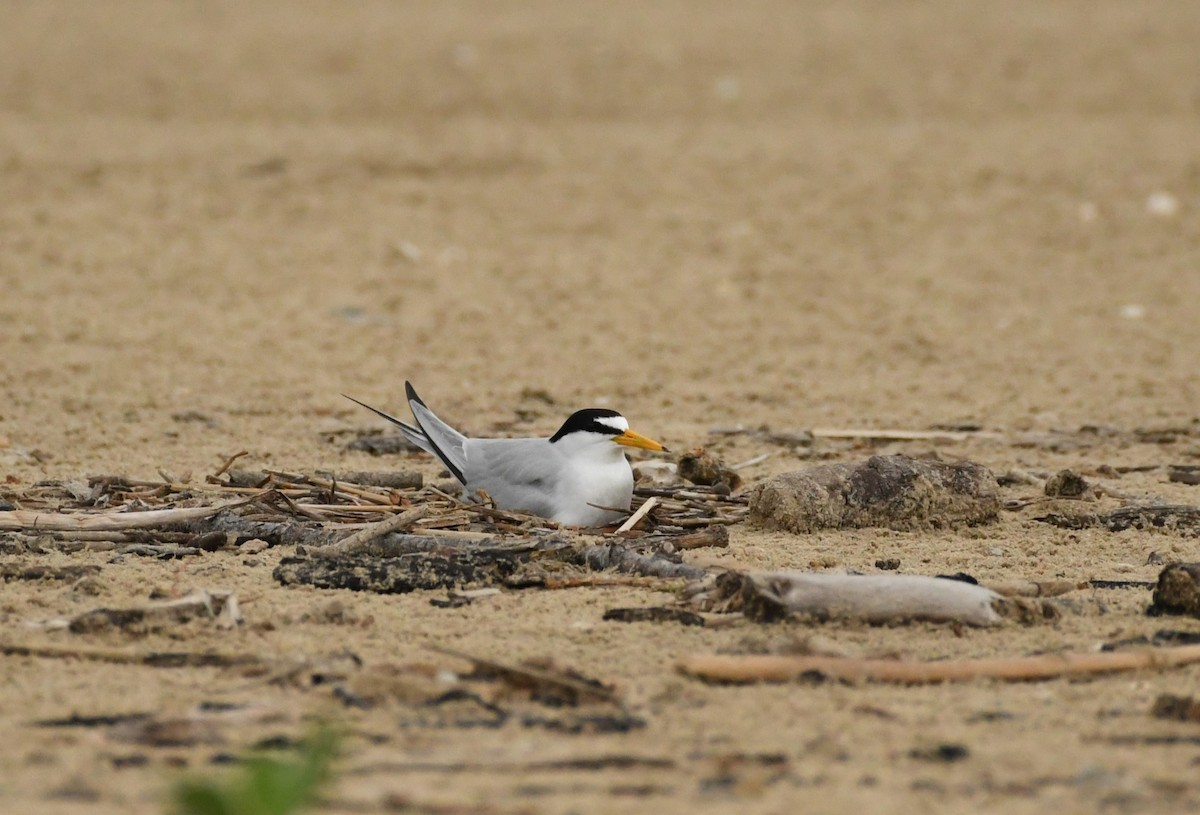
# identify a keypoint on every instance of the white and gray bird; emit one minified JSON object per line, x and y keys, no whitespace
{"x":578,"y":477}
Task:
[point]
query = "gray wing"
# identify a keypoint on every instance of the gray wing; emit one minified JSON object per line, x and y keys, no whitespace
{"x":517,"y":473}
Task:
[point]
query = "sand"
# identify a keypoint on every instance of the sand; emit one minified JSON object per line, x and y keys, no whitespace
{"x":218,"y":217}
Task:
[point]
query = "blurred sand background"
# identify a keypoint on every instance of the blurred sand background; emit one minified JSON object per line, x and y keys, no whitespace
{"x":216,"y":217}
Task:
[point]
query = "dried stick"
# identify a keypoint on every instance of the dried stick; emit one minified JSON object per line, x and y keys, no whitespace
{"x":155,"y":659}
{"x":362,"y":539}
{"x":712,"y":536}
{"x":899,"y":435}
{"x":348,"y":489}
{"x":229,"y":463}
{"x":636,"y":517}
{"x":33,"y":521}
{"x":757,"y":668}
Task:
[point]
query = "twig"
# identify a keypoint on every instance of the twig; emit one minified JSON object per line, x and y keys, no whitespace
{"x":750,"y":462}
{"x":758,"y":668}
{"x":169,"y":659}
{"x":362,"y":538}
{"x":606,"y":580}
{"x":636,"y":517}
{"x":229,"y":463}
{"x":454,"y":534}
{"x":348,"y":489}
{"x":900,"y":435}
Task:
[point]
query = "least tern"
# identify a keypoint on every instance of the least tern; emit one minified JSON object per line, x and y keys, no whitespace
{"x":577,"y":477}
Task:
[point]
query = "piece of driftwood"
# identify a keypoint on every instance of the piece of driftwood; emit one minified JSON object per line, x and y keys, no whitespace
{"x":1036,"y":588}
{"x":277,"y":533}
{"x":766,"y":668}
{"x":217,"y":605}
{"x":1178,"y":590}
{"x":715,"y":536}
{"x":601,"y":557}
{"x":165,"y":551}
{"x":873,"y":598}
{"x":34,"y":521}
{"x":897,"y":492}
{"x":1182,"y":518}
{"x":1164,"y":636}
{"x":362,"y":539}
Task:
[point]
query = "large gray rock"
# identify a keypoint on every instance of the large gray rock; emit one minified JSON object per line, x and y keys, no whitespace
{"x":896,"y":492}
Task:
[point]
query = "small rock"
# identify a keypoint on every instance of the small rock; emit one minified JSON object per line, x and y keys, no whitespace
{"x":1179,"y":708}
{"x":1162,"y":204}
{"x":1184,"y":474}
{"x":333,"y":613}
{"x":940,"y":752}
{"x":1017,"y":478}
{"x":253,"y":546}
{"x":890,"y":564}
{"x":1066,"y":484}
{"x":701,"y":467}
{"x":1178,"y":590}
{"x":246,"y":478}
{"x":90,"y":586}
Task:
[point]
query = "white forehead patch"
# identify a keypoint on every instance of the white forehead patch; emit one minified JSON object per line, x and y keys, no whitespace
{"x":618,"y":423}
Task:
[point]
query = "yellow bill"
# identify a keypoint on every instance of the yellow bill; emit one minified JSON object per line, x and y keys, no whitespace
{"x":631,"y":439}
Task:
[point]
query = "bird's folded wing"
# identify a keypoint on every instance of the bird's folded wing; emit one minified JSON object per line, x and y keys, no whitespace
{"x":517,"y":473}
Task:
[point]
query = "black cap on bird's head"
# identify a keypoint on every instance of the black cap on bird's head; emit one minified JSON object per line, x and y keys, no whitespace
{"x":608,"y":423}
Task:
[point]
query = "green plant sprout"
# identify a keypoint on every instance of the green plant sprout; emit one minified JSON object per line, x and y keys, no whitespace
{"x":263,"y":785}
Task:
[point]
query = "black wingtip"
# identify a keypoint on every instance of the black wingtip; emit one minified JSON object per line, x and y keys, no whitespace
{"x":411,"y":393}
{"x":376,"y":411}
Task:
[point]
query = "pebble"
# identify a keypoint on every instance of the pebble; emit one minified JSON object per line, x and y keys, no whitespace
{"x":1163,"y":204}
{"x":253,"y":546}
